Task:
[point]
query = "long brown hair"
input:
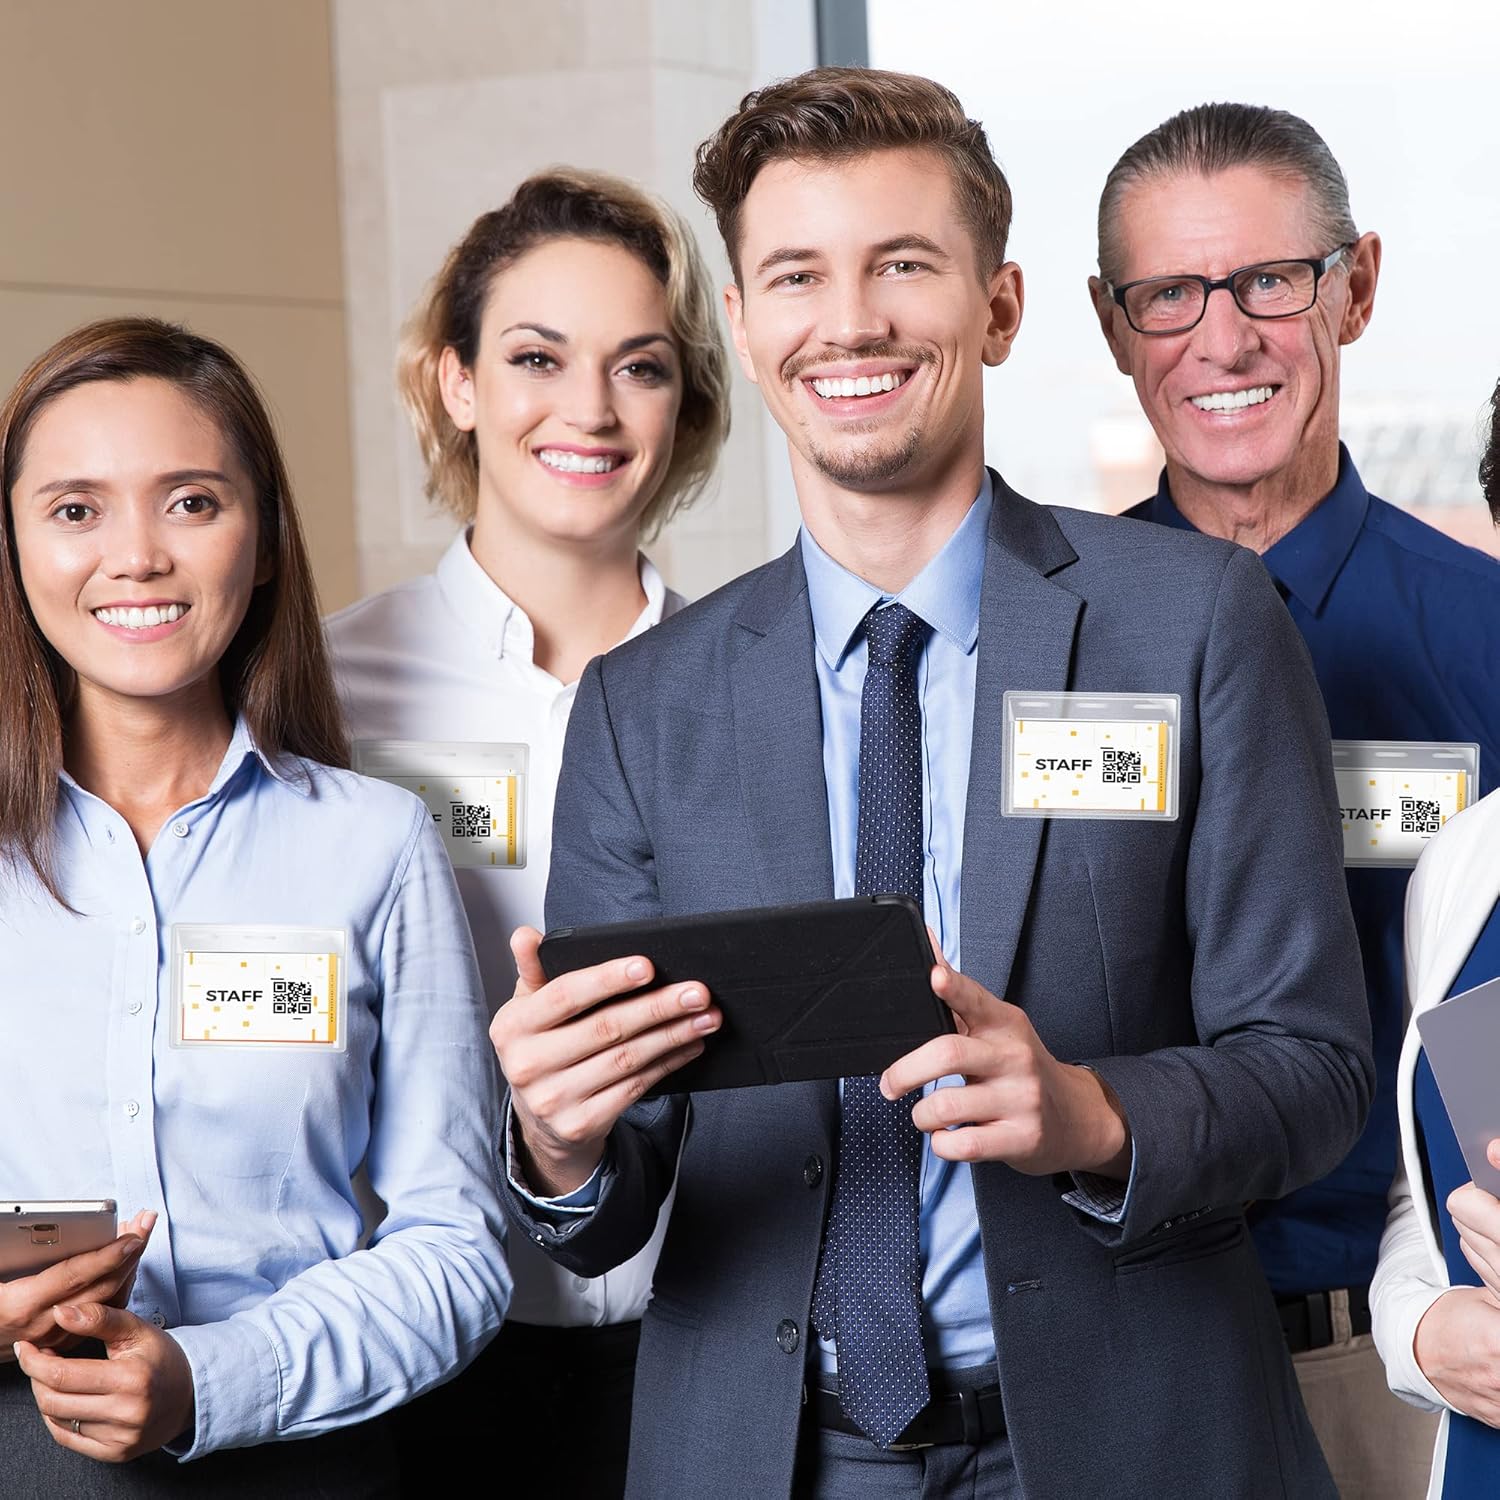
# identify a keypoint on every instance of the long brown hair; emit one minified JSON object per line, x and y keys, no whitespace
{"x":275,"y":671}
{"x":567,"y":203}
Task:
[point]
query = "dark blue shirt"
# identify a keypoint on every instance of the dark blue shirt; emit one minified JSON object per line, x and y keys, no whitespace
{"x":1472,"y":1470}
{"x":1403,"y":625}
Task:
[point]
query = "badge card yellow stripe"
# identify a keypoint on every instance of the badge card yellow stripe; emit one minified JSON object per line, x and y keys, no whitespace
{"x":333,"y":998}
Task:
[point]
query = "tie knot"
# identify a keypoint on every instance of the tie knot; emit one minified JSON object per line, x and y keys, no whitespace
{"x":892,"y":632}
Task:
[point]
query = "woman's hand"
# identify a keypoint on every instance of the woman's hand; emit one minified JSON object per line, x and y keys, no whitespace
{"x":1476,"y":1216}
{"x":1457,"y":1346}
{"x":575,"y":1063}
{"x":1457,"y":1343}
{"x":117,"y":1408}
{"x":103,"y":1275}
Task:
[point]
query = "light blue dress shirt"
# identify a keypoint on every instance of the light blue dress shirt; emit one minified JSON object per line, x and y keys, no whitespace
{"x":957,"y":1329}
{"x":956,"y":1324}
{"x":256,"y":1266}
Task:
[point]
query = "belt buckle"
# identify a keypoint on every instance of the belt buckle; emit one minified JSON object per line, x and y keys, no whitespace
{"x":907,"y":1447}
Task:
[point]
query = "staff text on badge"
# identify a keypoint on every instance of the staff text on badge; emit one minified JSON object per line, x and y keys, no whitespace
{"x":257,"y":985}
{"x":1395,"y":794}
{"x":1090,"y":755}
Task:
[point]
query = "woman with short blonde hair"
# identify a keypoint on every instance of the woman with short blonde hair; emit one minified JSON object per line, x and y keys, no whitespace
{"x":569,"y":391}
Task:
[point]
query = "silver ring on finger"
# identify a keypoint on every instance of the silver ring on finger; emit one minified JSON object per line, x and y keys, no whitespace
{"x":75,"y":1425}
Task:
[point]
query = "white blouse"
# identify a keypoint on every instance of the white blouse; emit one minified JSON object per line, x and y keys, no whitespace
{"x":1451,"y":895}
{"x":449,"y":657}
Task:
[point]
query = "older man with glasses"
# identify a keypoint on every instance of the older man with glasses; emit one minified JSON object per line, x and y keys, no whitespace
{"x":1243,"y":391}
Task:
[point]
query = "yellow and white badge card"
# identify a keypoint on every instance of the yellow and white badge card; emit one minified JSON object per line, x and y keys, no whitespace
{"x":1090,"y":755}
{"x":1395,"y":794}
{"x":259,"y":986}
{"x":475,"y":791}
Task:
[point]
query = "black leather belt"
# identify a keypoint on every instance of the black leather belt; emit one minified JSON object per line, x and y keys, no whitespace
{"x":1307,"y":1321}
{"x":960,"y":1417}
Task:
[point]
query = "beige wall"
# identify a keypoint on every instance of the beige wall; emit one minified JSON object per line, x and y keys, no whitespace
{"x":178,"y":158}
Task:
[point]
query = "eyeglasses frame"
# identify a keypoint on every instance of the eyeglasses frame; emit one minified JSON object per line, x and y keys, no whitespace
{"x":1321,"y":266}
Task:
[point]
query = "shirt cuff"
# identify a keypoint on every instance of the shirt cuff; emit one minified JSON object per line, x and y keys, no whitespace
{"x":1102,"y":1198}
{"x":1403,"y":1374}
{"x":577,"y":1204}
{"x":236,"y":1387}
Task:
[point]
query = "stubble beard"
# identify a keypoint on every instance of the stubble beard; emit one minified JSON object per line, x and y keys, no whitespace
{"x":870,"y":465}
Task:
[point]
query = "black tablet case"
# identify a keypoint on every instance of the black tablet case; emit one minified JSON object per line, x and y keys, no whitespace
{"x":831,"y":989}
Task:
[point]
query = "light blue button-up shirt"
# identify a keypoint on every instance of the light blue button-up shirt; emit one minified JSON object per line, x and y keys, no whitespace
{"x":956,"y":1324}
{"x":256,"y":1266}
{"x":955,"y":1300}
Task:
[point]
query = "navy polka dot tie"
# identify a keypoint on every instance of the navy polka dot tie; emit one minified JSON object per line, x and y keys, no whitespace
{"x":868,"y":1295}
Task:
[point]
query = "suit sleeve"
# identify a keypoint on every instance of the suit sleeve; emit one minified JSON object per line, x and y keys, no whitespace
{"x":603,"y":870}
{"x":1277,"y":1090}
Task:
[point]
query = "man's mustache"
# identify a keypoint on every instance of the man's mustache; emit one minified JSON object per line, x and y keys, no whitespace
{"x":905,"y":354}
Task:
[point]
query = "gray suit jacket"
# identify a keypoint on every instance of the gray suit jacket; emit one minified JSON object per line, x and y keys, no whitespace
{"x":1206,"y":967}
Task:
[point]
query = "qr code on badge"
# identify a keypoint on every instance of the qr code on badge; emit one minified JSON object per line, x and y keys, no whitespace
{"x":1418,"y":815}
{"x":1121,"y":767}
{"x":291,"y":997}
{"x":470,"y":820}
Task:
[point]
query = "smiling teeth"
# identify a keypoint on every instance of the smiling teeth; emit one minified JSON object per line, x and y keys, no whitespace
{"x":134,"y":618}
{"x":1232,"y":400}
{"x":864,"y":385}
{"x":578,"y":463}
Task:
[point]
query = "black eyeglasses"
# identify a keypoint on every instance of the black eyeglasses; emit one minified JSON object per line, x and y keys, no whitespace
{"x":1268,"y":289}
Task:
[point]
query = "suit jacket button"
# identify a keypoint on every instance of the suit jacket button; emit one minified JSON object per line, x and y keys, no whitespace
{"x":812,"y":1171}
{"x":787,"y":1336}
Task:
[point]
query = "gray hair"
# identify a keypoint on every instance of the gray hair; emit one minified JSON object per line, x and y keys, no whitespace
{"x":1213,"y":138}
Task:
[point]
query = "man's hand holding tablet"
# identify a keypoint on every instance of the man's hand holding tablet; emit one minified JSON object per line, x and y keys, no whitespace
{"x":575,"y":1064}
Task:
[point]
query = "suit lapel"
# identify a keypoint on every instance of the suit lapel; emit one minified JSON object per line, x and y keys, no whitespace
{"x":1027,"y":627}
{"x":778,"y":731}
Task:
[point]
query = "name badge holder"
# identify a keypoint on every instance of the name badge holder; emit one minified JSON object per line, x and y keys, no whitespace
{"x":476,"y":793}
{"x":1395,"y":794}
{"x":259,"y":986}
{"x":1090,"y":755}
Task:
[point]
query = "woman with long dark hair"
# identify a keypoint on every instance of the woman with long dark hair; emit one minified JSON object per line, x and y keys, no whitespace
{"x":210,"y":935}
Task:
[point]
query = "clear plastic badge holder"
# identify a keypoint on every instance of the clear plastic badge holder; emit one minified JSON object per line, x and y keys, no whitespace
{"x":259,"y":986}
{"x":1090,"y":755}
{"x":1395,"y":794}
{"x":475,"y":791}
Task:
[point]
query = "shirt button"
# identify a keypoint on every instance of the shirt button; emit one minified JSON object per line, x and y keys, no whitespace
{"x":132,"y":1109}
{"x":812,"y":1171}
{"x":159,"y":1319}
{"x":787,"y":1336}
{"x":180,"y":829}
{"x":137,"y":924}
{"x":580,"y":1284}
{"x":134,"y":1007}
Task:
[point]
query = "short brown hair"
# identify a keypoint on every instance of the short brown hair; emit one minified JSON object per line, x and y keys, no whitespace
{"x":833,"y":114}
{"x":1213,"y":138}
{"x":567,"y":203}
{"x":275,"y":671}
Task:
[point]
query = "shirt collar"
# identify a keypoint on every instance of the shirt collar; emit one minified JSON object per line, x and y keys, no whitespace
{"x":1308,"y":559}
{"x":503,"y":627}
{"x":241,"y":748}
{"x":945,"y":594}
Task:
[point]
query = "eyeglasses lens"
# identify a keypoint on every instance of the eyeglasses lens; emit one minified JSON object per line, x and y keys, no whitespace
{"x":1168,"y":304}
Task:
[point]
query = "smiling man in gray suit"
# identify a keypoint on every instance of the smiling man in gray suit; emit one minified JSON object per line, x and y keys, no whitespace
{"x":1016,"y":1264}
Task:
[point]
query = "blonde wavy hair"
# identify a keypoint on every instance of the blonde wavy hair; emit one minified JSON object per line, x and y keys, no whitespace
{"x":567,"y":203}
